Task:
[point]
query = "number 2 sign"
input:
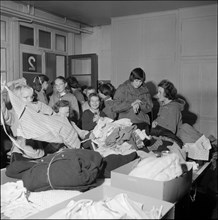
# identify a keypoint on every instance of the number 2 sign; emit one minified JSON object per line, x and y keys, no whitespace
{"x":31,"y":62}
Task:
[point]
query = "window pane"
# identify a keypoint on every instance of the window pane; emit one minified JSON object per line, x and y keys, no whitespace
{"x":3,"y":30}
{"x":60,"y":65}
{"x":44,"y":39}
{"x":3,"y":59}
{"x":26,"y":35}
{"x":60,"y":42}
{"x":84,"y":80}
{"x":3,"y":77}
{"x":81,"y":66}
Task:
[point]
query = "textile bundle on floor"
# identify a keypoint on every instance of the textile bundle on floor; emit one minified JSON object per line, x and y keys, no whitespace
{"x":70,"y":169}
{"x":37,"y":126}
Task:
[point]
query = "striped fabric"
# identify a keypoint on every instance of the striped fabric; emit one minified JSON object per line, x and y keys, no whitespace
{"x":38,"y":126}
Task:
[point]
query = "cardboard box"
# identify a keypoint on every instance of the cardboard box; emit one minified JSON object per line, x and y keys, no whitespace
{"x":171,"y":191}
{"x":5,"y":179}
{"x":102,"y":192}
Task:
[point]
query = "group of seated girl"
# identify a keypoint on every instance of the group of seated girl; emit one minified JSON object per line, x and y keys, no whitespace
{"x":130,"y":100}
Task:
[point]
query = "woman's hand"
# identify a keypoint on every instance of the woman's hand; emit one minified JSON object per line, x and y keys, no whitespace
{"x":136,"y":105}
{"x":154,"y":124}
{"x":96,"y":117}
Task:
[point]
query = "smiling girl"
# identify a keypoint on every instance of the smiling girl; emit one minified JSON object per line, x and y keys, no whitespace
{"x":91,"y":116}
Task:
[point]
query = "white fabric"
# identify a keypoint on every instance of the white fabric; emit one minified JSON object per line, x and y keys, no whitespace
{"x":123,"y":149}
{"x":162,"y":169}
{"x":118,"y":207}
{"x":17,"y":204}
{"x":105,"y":127}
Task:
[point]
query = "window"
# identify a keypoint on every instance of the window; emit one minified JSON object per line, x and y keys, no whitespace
{"x":60,"y":42}
{"x":26,"y":35}
{"x":4,"y":50}
{"x":44,"y":39}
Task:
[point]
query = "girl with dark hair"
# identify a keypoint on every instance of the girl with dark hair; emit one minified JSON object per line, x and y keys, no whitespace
{"x":132,"y":100}
{"x":169,"y":115}
{"x":105,"y":92}
{"x":40,"y":85}
{"x":62,"y":93}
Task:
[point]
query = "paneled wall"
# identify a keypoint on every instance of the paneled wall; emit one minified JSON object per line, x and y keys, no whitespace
{"x":198,"y":64}
{"x":179,"y":45}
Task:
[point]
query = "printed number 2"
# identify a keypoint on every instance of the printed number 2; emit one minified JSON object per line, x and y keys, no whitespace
{"x":31,"y":61}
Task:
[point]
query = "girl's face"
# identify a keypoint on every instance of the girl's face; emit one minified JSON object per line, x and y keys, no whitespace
{"x":136,"y":83}
{"x":27,"y":94}
{"x":64,"y":111}
{"x":44,"y":85}
{"x":160,"y":94}
{"x":60,"y":85}
{"x":94,"y":102}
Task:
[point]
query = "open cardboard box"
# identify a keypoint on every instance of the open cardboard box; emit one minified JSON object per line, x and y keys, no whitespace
{"x":171,"y":191}
{"x":103,"y":192}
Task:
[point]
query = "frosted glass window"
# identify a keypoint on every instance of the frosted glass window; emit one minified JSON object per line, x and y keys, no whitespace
{"x":26,"y":35}
{"x":3,"y":30}
{"x":3,"y":59}
{"x":81,"y":66}
{"x":44,"y":39}
{"x":60,"y":42}
{"x":60,"y":65}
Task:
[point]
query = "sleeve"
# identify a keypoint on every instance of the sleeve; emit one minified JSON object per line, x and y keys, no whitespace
{"x":87,"y":121}
{"x":74,"y":106}
{"x":80,"y":97}
{"x":45,"y":109}
{"x":7,"y":115}
{"x":121,"y":104}
{"x":51,"y":101}
{"x":109,"y":111}
{"x":147,"y":103}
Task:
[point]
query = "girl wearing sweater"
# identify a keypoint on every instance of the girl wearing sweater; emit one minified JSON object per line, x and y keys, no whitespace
{"x":91,"y":116}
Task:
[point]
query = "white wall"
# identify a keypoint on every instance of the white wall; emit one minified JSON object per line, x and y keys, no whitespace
{"x":100,"y":43}
{"x":178,"y":45}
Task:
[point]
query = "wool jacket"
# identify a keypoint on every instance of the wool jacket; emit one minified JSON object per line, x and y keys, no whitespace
{"x":125,"y":95}
{"x":169,"y":115}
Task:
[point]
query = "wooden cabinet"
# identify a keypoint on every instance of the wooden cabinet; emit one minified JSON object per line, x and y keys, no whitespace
{"x":85,"y":68}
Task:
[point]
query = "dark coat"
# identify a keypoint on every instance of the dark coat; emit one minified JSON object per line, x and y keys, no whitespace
{"x":69,"y":169}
